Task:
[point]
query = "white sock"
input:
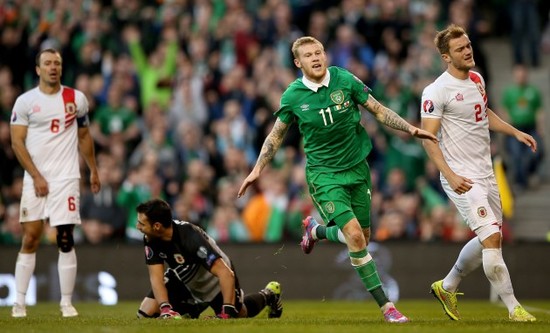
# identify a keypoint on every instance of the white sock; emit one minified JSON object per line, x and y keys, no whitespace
{"x":497,"y":273}
{"x":341,"y":236}
{"x":468,"y":260}
{"x":66,"y":267}
{"x":24,"y":267}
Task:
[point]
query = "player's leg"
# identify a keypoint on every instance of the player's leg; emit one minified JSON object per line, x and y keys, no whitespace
{"x":269,"y":296}
{"x":64,"y":205}
{"x":67,"y":268}
{"x":31,"y":216}
{"x":494,"y":266}
{"x":179,"y":297}
{"x":445,"y":291}
{"x":319,"y":186}
{"x":364,"y":265}
{"x":355,"y":225}
{"x":25,"y":264}
{"x":314,"y":231}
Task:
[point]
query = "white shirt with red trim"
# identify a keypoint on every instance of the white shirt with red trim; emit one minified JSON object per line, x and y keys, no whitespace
{"x":52,"y":130}
{"x":464,"y":133}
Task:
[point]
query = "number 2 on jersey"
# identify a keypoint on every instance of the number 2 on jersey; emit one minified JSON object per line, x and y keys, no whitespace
{"x":480,"y":115}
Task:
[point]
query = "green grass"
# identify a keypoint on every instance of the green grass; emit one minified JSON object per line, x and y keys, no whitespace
{"x":299,"y":316}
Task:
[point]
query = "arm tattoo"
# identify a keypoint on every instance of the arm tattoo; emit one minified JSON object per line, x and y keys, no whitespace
{"x":386,"y":116}
{"x":393,"y":120}
{"x":272,"y":143}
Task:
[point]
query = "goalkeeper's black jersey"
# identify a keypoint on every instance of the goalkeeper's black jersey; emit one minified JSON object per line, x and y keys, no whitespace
{"x":190,"y":254}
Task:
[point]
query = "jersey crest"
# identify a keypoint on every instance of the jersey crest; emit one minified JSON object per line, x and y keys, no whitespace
{"x":337,"y":96}
{"x":179,"y":258}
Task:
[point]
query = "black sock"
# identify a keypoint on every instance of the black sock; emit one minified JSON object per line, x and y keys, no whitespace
{"x":255,"y":303}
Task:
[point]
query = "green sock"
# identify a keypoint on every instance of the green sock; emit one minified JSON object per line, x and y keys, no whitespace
{"x":332,"y":234}
{"x":369,"y":276}
{"x":321,"y":231}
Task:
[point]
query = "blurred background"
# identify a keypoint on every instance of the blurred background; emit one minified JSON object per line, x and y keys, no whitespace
{"x":182,"y":95}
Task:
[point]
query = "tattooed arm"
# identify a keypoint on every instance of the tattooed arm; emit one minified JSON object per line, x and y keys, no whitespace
{"x":391,"y":119}
{"x":271,"y":144}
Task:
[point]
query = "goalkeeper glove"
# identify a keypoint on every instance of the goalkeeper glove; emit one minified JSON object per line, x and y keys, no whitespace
{"x":228,"y":311}
{"x":166,"y":311}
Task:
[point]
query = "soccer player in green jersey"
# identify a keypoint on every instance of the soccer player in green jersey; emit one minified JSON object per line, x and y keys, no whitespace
{"x":325,"y":104}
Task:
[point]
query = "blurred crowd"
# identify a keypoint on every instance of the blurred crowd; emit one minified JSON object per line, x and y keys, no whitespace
{"x":182,"y":94}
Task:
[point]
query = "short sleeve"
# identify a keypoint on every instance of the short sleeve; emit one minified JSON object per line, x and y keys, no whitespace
{"x":20,"y":113}
{"x":285,"y":113}
{"x":359,"y":90}
{"x":431,"y":105}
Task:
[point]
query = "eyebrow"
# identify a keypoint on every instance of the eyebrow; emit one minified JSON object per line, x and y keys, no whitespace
{"x":458,"y":48}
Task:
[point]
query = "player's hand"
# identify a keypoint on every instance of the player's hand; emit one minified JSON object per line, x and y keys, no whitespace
{"x":249,"y":180}
{"x":40,"y":186}
{"x":166,"y":312}
{"x":423,"y":134}
{"x":228,"y":311}
{"x":460,"y":184}
{"x":527,"y":140}
{"x":95,"y":183}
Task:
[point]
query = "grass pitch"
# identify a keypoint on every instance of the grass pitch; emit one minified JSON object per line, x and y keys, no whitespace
{"x":298,"y":316}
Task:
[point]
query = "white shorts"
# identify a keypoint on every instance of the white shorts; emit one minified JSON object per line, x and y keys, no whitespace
{"x":61,"y":205}
{"x":480,"y":207}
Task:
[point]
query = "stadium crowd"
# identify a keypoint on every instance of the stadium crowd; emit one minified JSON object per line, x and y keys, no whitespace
{"x":182,"y":94}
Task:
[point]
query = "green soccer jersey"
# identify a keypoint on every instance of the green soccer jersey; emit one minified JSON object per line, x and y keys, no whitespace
{"x":329,"y":120}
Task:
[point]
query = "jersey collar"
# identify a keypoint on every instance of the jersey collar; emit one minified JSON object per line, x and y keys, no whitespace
{"x":315,"y":86}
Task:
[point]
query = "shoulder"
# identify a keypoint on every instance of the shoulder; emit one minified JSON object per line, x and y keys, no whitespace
{"x":28,"y":95}
{"x":186,"y":226}
{"x":476,"y":77}
{"x":293,"y":88}
{"x":439,"y":85}
{"x":340,"y":73}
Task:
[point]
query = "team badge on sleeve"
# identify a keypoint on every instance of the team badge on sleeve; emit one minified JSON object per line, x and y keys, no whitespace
{"x":428,"y":106}
{"x":148,"y":252}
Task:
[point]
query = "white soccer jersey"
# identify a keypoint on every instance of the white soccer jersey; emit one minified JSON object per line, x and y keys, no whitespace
{"x":464,"y":134}
{"x":52,"y":133}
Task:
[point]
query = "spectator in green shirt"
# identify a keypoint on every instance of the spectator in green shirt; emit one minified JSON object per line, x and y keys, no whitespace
{"x":522,"y":102}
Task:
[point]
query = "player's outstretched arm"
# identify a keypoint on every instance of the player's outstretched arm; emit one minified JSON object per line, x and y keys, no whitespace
{"x":497,"y":124}
{"x":271,"y":145}
{"x":391,"y":119}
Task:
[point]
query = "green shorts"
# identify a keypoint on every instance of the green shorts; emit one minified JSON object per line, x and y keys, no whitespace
{"x":342,"y":196}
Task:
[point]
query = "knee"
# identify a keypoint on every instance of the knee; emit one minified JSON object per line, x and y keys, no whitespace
{"x":356,"y":238}
{"x":65,"y":240}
